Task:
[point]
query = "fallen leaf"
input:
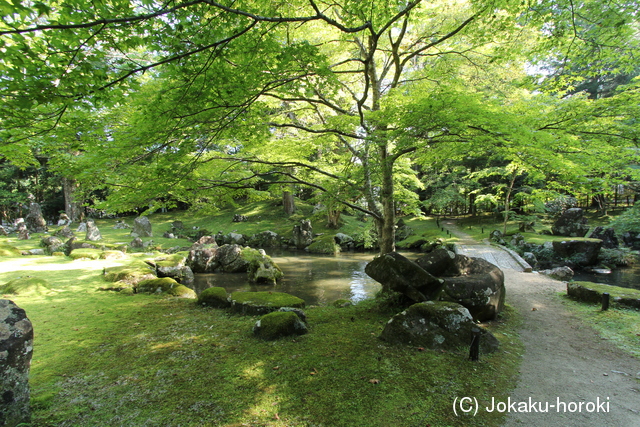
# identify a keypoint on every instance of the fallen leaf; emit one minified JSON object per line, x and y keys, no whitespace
{"x":420,"y":348}
{"x":374,"y":381}
{"x":534,"y":309}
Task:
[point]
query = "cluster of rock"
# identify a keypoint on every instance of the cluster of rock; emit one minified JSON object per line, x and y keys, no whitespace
{"x":446,"y":294}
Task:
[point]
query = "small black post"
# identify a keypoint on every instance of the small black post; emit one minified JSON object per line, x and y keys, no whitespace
{"x":605,"y":301}
{"x":482,"y":230}
{"x":474,"y":351}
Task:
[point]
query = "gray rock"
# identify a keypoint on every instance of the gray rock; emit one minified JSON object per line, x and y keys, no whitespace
{"x":239,"y":218}
{"x":437,"y":261}
{"x":93,"y":234}
{"x":476,"y":284}
{"x":52,"y":244}
{"x":497,"y":237}
{"x":399,"y":274}
{"x":344,"y":241}
{"x":65,"y":232}
{"x":559,"y":273}
{"x":230,"y":260}
{"x":607,"y":235}
{"x":142,"y":227}
{"x":82,"y":228}
{"x":265,"y":239}
{"x":202,"y":257}
{"x":34,"y":220}
{"x":302,"y":235}
{"x":16,"y":349}
{"x":436,"y":325}
{"x":571,"y":223}
{"x":235,"y":239}
{"x":137,"y":243}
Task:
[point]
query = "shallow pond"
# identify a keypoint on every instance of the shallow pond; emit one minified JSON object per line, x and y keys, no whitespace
{"x":628,"y":277}
{"x":317,"y":279}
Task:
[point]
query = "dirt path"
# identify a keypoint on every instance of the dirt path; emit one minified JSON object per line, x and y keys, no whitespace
{"x":584,"y":379}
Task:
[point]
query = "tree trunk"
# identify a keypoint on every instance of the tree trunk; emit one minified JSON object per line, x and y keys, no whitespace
{"x":387,"y":224}
{"x":72,"y":207}
{"x":288,"y":202}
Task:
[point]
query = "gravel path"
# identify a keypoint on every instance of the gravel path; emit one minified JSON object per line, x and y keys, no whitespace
{"x":584,"y":379}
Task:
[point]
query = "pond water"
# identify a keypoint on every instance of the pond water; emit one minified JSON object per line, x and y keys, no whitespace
{"x":317,"y":279}
{"x":628,"y":277}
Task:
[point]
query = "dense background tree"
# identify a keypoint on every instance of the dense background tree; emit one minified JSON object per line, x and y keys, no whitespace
{"x":200,"y":101}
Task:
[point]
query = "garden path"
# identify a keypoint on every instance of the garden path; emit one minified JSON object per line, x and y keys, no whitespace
{"x":566,"y":362}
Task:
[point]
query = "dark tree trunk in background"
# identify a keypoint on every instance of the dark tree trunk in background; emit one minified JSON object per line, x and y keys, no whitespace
{"x":72,"y":207}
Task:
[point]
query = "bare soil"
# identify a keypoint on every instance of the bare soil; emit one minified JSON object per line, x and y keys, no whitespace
{"x":583,"y":378}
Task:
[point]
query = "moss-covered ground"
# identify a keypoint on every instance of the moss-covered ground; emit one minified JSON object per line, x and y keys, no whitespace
{"x":618,"y":324}
{"x":105,"y":359}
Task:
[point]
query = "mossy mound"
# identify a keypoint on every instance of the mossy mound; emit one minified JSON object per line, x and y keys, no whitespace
{"x":9,"y":251}
{"x":113,"y":254}
{"x":261,"y":268}
{"x":85,"y":253}
{"x":170,"y":261}
{"x":263,"y":302}
{"x":132,"y":273}
{"x":325,"y":244}
{"x":279,"y":324}
{"x":214,"y":297}
{"x":25,"y":286}
{"x":166,"y":285}
{"x":592,"y":292}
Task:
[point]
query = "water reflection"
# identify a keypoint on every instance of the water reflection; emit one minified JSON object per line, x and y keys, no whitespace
{"x":318,"y":279}
{"x":625,"y":277}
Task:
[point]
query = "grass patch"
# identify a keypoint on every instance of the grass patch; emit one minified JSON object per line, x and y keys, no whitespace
{"x":620,"y":325}
{"x":101,"y":358}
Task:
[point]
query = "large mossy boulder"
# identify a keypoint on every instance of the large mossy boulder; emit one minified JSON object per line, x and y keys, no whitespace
{"x":263,"y":302}
{"x":26,"y":285}
{"x":302,"y":234}
{"x":437,"y":325}
{"x":261,"y":268}
{"x":166,"y":285}
{"x":174,"y":266}
{"x":214,"y":297}
{"x":93,"y":234}
{"x":34,"y":220}
{"x":397,"y":273}
{"x":279,"y":324}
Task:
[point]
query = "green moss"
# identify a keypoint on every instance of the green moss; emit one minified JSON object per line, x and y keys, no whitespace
{"x":173,"y":260}
{"x":324,"y":244}
{"x":9,"y":251}
{"x":592,"y":293}
{"x":132,"y":273}
{"x":166,"y":285}
{"x":341,"y":303}
{"x":85,"y":253}
{"x":263,"y":302}
{"x":25,"y":286}
{"x":279,"y":324}
{"x":261,"y":268}
{"x":214,"y":297}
